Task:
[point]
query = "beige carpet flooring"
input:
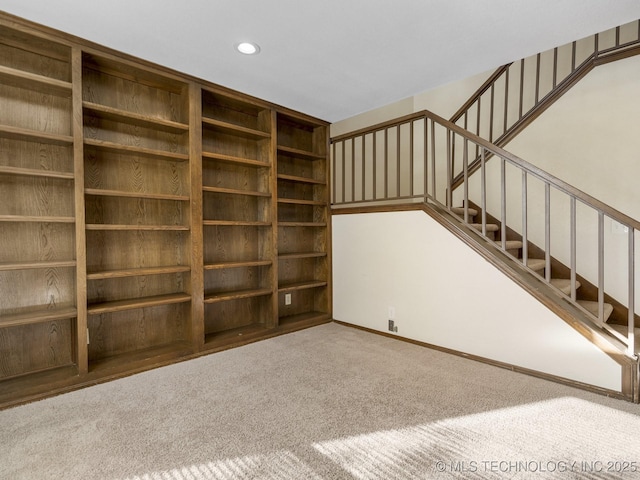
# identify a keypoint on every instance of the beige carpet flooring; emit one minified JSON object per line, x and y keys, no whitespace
{"x":330,"y":402}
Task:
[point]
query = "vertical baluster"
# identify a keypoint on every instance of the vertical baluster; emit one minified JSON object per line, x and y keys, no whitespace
{"x":506,"y":99}
{"x":411,"y":126}
{"x":573,"y":56}
{"x":426,"y":158}
{"x":449,"y":166}
{"x":465,"y":169}
{"x":490,"y":117}
{"x":521,"y":88}
{"x":374,"y":164}
{"x":386,"y":163}
{"x":632,"y":293}
{"x":503,"y":202}
{"x":483,"y":191}
{"x":555,"y":67}
{"x":478,"y":121}
{"x":344,"y":178}
{"x":617,"y":36}
{"x":433,"y":159}
{"x":547,"y":232}
{"x":364,"y":167}
{"x":596,"y":45}
{"x":601,"y":266}
{"x":333,"y":174}
{"x":353,"y":169}
{"x":573,"y":240}
{"x":525,"y":233}
{"x":398,"y":161}
{"x":537,"y":79}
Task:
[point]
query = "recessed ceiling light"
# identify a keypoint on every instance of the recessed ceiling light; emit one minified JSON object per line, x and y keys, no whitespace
{"x":248,"y":48}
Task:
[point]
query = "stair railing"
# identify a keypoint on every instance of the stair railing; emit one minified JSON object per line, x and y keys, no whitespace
{"x":410,"y":159}
{"x":516,"y":93}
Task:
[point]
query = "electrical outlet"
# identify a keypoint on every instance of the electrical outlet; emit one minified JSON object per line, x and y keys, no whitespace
{"x":287,"y":299}
{"x":392,"y":326}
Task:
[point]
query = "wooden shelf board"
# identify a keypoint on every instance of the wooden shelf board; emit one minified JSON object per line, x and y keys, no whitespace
{"x":235,"y":191}
{"x":157,"y":228}
{"x":135,"y":303}
{"x":296,"y":152}
{"x":39,"y":316}
{"x":239,"y":334}
{"x":36,"y":264}
{"x":301,"y":285}
{"x":32,"y":172}
{"x":36,"y":219}
{"x":232,"y":159}
{"x":293,"y":256}
{"x":119,"y":193}
{"x":137,"y":272}
{"x":294,"y":178}
{"x":134,"y":360}
{"x":295,"y":201}
{"x":127,"y":149}
{"x":16,"y":133}
{"x":302,"y":224}
{"x":133,"y":72}
{"x":248,"y":263}
{"x":234,"y":223}
{"x":34,"y":385}
{"x":234,"y":129}
{"x":225,"y":296}
{"x":124,"y":116}
{"x":309,"y":317}
{"x":33,"y":81}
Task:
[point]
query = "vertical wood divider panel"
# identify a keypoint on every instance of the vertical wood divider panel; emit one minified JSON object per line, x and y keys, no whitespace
{"x":197,"y":241}
{"x":81,"y":249}
{"x":321,"y":145}
{"x":273,"y":154}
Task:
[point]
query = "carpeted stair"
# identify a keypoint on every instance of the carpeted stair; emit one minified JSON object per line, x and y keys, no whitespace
{"x":514,"y":247}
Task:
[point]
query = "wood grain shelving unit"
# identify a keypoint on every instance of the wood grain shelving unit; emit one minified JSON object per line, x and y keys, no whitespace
{"x":304,"y":266}
{"x":137,"y":193}
{"x":147,"y":216}
{"x":237,"y":160}
{"x":37,"y":218}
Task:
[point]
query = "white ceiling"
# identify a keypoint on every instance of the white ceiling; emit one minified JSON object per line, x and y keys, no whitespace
{"x":332,"y":58}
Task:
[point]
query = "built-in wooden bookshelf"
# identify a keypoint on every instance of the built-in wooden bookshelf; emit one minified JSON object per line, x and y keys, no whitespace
{"x":38,"y":309}
{"x":137,"y":193}
{"x":147,"y":216}
{"x":237,"y":170}
{"x":303,"y":221}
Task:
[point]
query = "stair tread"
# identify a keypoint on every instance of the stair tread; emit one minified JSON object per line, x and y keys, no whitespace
{"x":536,"y":264}
{"x":460,"y":211}
{"x":592,"y":307}
{"x":491,"y":227}
{"x":510,"y":244}
{"x":564,"y":285}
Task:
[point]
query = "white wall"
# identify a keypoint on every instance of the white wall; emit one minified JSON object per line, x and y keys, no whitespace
{"x":447,"y":295}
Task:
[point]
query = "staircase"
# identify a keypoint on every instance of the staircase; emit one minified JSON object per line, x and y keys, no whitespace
{"x":517,"y":93}
{"x":538,"y":266}
{"x":445,"y":164}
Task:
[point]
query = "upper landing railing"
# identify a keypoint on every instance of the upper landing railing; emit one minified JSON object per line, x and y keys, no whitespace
{"x":411,"y":159}
{"x":517,"y":93}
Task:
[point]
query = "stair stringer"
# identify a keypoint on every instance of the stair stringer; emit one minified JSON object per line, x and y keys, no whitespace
{"x":357,"y":296}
